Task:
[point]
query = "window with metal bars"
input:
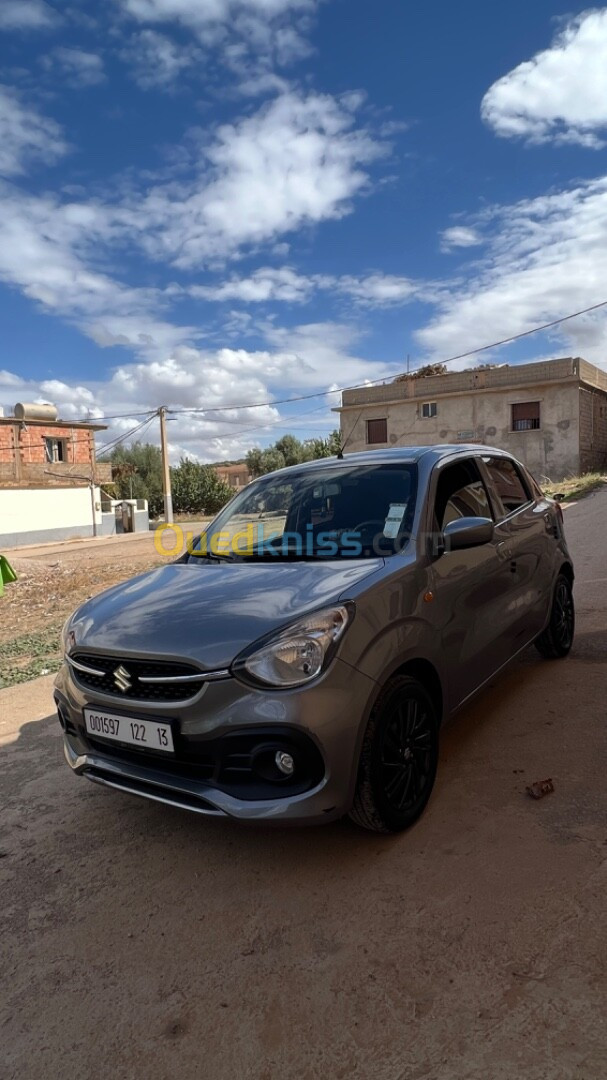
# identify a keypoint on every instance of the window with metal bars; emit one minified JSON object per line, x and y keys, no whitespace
{"x":526,"y":416}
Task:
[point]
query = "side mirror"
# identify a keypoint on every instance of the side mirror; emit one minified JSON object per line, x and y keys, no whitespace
{"x":467,"y":532}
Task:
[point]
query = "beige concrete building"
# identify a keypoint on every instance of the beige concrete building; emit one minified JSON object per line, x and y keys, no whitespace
{"x":551,"y":415}
{"x":235,"y":476}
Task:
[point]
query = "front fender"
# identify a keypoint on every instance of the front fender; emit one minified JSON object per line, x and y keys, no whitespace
{"x":394,"y":626}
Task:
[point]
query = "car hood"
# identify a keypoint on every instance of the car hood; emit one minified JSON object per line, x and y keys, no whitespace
{"x":210,"y":612}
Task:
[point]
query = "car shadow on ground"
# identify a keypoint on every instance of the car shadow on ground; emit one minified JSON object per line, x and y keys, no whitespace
{"x":35,"y":775}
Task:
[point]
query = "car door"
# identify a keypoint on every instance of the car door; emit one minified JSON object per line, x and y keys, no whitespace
{"x":471,"y":588}
{"x":527,"y":525}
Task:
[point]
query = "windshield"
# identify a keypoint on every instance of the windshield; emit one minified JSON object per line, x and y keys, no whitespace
{"x":357,"y":511}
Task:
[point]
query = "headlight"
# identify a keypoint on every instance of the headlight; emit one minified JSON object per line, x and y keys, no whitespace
{"x":300,"y":652}
{"x":67,"y":638}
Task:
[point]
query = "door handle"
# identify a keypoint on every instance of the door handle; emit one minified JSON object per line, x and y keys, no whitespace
{"x":504,"y":550}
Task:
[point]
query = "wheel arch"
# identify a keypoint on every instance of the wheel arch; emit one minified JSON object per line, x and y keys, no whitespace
{"x":425,"y":672}
{"x":567,"y":570}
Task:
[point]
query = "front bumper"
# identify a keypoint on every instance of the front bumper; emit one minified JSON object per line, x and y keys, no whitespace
{"x":326,"y":720}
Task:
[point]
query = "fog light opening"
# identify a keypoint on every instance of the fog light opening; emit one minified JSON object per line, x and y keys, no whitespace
{"x":284,"y":762}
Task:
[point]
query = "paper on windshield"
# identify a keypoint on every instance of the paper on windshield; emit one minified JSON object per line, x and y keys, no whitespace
{"x":394,"y":519}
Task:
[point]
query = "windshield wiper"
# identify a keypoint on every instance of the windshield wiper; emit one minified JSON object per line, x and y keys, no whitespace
{"x":196,"y":554}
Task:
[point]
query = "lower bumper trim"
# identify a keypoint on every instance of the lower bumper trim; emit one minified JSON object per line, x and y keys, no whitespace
{"x":183,"y":800}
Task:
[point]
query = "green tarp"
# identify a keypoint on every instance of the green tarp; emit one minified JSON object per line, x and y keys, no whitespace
{"x":7,"y":573}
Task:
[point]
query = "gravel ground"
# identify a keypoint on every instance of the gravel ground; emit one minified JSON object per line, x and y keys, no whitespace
{"x":49,"y":587}
{"x":136,"y":941}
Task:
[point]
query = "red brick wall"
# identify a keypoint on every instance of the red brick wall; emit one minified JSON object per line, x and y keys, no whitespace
{"x":8,"y":464}
{"x":78,"y":444}
{"x":29,"y":465}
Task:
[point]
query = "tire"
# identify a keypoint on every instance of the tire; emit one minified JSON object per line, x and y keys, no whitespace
{"x":398,"y":759}
{"x":556,"y":640}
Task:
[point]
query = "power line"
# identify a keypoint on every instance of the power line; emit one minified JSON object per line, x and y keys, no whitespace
{"x":73,"y":442}
{"x":374,"y":382}
{"x":271,"y":423}
{"x":115,"y":416}
{"x":121,"y":438}
{"x":337,"y":390}
{"x":76,"y":442}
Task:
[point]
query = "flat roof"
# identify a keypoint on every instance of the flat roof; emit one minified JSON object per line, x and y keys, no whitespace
{"x":481,"y":380}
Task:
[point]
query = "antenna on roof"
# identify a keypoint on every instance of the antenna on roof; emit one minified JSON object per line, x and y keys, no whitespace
{"x":340,"y":452}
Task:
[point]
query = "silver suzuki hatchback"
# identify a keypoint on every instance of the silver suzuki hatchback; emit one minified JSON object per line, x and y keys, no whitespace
{"x":296,"y":662}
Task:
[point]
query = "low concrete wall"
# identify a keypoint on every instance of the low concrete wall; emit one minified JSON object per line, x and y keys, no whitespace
{"x":111,"y":517}
{"x":37,"y":515}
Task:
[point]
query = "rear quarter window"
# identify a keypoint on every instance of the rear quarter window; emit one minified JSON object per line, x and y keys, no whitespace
{"x":508,"y":483}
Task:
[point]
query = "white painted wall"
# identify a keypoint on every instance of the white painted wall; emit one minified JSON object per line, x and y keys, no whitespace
{"x":31,"y":515}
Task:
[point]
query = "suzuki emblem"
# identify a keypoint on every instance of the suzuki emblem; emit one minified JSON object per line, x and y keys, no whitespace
{"x":122,"y":679}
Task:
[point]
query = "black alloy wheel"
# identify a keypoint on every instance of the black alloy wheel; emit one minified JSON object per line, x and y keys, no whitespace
{"x":556,"y":640}
{"x":399,"y":758}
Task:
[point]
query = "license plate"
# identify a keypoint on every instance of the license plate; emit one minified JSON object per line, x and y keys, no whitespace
{"x":146,"y":734}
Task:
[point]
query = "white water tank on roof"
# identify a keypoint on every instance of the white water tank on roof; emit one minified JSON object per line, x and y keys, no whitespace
{"x":35,"y":411}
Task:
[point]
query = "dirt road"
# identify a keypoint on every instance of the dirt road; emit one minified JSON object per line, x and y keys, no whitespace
{"x":54,"y":579}
{"x":137,"y":942}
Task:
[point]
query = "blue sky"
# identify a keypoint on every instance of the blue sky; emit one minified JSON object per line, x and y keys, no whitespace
{"x":209,"y":203}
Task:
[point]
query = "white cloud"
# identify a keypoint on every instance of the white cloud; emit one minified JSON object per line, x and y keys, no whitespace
{"x":26,"y":135}
{"x":323,"y":354}
{"x":8,"y":379}
{"x":79,"y":67}
{"x":256,"y":83}
{"x":547,"y":258}
{"x":200,"y":16}
{"x":265,"y":284}
{"x":251,"y":37}
{"x":157,"y":60}
{"x":44,"y":251}
{"x":381,"y":290}
{"x":27,"y":15}
{"x":459,"y":236}
{"x":270,"y":284}
{"x":561,"y":94}
{"x":296,"y":161}
{"x":210,"y":380}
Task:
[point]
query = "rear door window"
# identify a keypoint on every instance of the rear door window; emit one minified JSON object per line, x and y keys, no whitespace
{"x":508,"y":484}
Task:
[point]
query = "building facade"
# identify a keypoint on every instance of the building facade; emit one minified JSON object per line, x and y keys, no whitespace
{"x":551,"y":415}
{"x":48,"y":452}
{"x":235,"y":476}
{"x":49,"y":477}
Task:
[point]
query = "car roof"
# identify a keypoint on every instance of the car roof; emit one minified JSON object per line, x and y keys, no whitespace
{"x":398,"y":455}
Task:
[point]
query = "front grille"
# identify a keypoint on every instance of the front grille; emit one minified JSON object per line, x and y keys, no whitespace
{"x":127,"y":684}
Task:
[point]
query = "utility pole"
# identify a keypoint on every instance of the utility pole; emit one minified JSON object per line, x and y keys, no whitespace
{"x":93,"y":507}
{"x":166,"y":475}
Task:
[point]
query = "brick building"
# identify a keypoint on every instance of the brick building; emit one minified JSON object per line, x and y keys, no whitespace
{"x":551,"y":415}
{"x":39,"y":450}
{"x":49,"y":478}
